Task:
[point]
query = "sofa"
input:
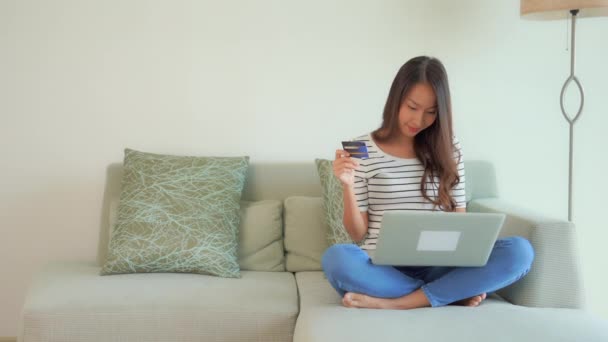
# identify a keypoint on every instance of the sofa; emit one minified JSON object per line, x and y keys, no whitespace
{"x":70,"y":301}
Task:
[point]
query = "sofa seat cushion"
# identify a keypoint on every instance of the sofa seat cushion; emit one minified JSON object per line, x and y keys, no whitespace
{"x":72,"y":302}
{"x":323,"y":318}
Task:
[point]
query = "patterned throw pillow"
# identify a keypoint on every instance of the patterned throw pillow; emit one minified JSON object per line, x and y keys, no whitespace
{"x":178,"y":214}
{"x":333,"y":203}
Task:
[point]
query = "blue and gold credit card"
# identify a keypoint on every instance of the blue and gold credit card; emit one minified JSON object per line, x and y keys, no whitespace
{"x":356,"y":149}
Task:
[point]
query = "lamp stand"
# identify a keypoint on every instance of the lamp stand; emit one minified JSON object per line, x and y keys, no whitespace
{"x":571,"y":121}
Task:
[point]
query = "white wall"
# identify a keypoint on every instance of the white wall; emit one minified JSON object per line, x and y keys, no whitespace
{"x":279,"y":81}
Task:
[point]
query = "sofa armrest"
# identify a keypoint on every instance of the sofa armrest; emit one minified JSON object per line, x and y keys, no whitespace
{"x":554,"y":279}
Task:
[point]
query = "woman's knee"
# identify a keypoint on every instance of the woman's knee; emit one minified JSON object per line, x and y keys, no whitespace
{"x":520,"y":251}
{"x":334,"y":253}
{"x":337,"y":256}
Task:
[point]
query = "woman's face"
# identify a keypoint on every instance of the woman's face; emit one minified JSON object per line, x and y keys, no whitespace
{"x":418,"y":110}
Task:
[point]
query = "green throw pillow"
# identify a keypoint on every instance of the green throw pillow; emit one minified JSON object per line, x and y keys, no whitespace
{"x":333,"y":203}
{"x":178,"y":214}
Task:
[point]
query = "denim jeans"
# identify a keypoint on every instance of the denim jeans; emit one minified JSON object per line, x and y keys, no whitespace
{"x":349,"y":269}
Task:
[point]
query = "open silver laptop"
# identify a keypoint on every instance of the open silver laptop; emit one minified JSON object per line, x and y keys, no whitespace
{"x":412,"y":238}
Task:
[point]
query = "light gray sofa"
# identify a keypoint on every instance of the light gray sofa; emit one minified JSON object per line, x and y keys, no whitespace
{"x":71,"y":302}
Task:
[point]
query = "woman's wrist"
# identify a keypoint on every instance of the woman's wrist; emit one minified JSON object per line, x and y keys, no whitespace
{"x":348,"y":187}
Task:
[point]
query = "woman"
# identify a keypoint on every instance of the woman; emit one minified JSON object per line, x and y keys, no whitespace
{"x":415,"y":163}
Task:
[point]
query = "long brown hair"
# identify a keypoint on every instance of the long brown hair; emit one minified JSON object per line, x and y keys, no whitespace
{"x":434,"y":145}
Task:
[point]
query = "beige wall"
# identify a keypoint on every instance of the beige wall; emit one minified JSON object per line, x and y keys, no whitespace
{"x":279,"y":81}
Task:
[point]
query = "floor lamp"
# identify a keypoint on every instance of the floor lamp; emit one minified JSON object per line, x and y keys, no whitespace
{"x":558,"y":9}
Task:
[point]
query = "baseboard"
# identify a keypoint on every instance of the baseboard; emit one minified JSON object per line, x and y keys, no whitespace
{"x":8,"y":339}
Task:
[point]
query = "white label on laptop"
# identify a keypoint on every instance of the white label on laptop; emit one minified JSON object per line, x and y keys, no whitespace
{"x":446,"y":241}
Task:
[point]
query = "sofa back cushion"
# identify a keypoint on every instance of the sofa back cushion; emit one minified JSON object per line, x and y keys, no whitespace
{"x":305,"y":233}
{"x":261,"y":236}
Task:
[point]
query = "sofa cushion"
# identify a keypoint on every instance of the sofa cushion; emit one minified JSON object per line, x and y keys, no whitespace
{"x":305,"y":233}
{"x":261,"y":236}
{"x":71,"y":302}
{"x":177,"y":214}
{"x":323,"y":318}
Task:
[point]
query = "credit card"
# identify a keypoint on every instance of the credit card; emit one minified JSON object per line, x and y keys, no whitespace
{"x":357,"y":149}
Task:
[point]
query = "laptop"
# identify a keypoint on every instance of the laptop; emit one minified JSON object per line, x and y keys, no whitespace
{"x":414,"y":238}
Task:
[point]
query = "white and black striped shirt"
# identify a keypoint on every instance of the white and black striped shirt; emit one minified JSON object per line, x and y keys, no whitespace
{"x":385,"y":182}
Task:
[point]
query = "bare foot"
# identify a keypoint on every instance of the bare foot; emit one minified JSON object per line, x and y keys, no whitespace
{"x":356,"y":300}
{"x":473,"y":301}
{"x":416,"y":299}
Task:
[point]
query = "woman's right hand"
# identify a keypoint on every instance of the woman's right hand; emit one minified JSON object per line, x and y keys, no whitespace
{"x":344,"y":168}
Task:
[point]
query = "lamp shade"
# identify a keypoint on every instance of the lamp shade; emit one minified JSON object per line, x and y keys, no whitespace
{"x":559,"y":9}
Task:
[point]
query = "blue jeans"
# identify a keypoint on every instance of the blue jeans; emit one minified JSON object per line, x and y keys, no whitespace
{"x":349,"y":269}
